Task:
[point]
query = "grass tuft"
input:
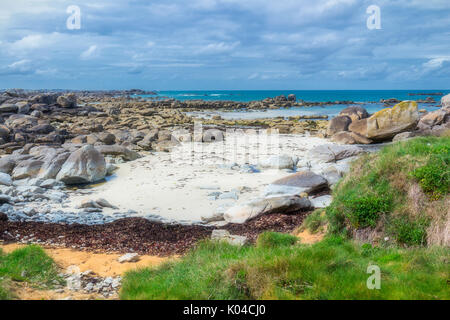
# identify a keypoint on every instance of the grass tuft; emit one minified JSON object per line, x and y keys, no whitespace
{"x":315,"y":221}
{"x":275,"y":239}
{"x":29,"y":264}
{"x":334,"y":268}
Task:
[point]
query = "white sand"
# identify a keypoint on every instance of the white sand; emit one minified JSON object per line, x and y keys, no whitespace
{"x":178,"y":189}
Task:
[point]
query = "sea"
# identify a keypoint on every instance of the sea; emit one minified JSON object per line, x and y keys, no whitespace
{"x":369,"y":99}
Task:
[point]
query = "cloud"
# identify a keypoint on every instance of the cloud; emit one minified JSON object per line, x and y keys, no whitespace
{"x":224,"y":44}
{"x":436,"y":63}
{"x":215,"y":48}
{"x":21,"y":67}
{"x":28,"y":42}
{"x":90,"y":53}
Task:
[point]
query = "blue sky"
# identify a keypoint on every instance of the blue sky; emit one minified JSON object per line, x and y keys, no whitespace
{"x":225,"y":44}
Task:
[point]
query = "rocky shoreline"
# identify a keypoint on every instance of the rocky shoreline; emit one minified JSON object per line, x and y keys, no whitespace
{"x":53,"y":145}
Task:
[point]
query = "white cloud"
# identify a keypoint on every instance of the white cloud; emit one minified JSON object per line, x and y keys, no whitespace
{"x":23,"y":66}
{"x":90,"y":53}
{"x":19,"y":64}
{"x":436,"y":63}
{"x":28,"y":42}
{"x":219,"y":47}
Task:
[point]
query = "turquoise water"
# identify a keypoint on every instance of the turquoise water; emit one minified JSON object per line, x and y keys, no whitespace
{"x":367,"y":99}
{"x":306,"y":95}
{"x":329,"y":110}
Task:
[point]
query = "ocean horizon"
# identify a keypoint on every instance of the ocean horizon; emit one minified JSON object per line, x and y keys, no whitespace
{"x":306,"y":95}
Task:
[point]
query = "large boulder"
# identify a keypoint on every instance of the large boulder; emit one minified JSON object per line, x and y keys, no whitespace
{"x":51,"y":167}
{"x":8,"y":107}
{"x":338,"y":124}
{"x":252,"y":209}
{"x":355,"y":113}
{"x":27,"y":169}
{"x":331,"y":153}
{"x":297,"y":183}
{"x":347,"y":137}
{"x":86,"y":165}
{"x":387,"y":123}
{"x":21,"y":121}
{"x":7,"y":163}
{"x":67,"y":101}
{"x":434,"y":118}
{"x":445,"y":101}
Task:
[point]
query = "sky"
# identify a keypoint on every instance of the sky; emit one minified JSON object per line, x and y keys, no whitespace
{"x":225,"y":44}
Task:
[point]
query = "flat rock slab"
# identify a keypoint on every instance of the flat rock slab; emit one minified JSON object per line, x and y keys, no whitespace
{"x":297,"y":183}
{"x":286,"y":204}
{"x":332,"y":153}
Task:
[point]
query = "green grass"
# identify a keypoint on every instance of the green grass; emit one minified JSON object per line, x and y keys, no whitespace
{"x":434,"y":176}
{"x":29,"y":264}
{"x":399,"y":191}
{"x":408,"y":231}
{"x":376,"y":190}
{"x":315,"y":221}
{"x":275,"y":239}
{"x":332,"y":269}
{"x":4,"y":292}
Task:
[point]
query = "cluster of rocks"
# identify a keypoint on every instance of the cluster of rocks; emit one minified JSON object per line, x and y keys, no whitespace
{"x":269,"y":103}
{"x":355,"y":126}
{"x":54,"y":119}
{"x":34,"y":179}
{"x":315,"y":174}
{"x":87,"y":282}
{"x":137,"y":124}
{"x":393,"y":101}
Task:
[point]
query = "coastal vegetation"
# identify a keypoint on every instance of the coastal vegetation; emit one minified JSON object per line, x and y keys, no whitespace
{"x":334,"y":268}
{"x":390,"y":211}
{"x":401,"y":192}
{"x":29,"y":264}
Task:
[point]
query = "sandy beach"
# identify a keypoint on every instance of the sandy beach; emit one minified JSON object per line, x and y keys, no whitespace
{"x":185,"y":190}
